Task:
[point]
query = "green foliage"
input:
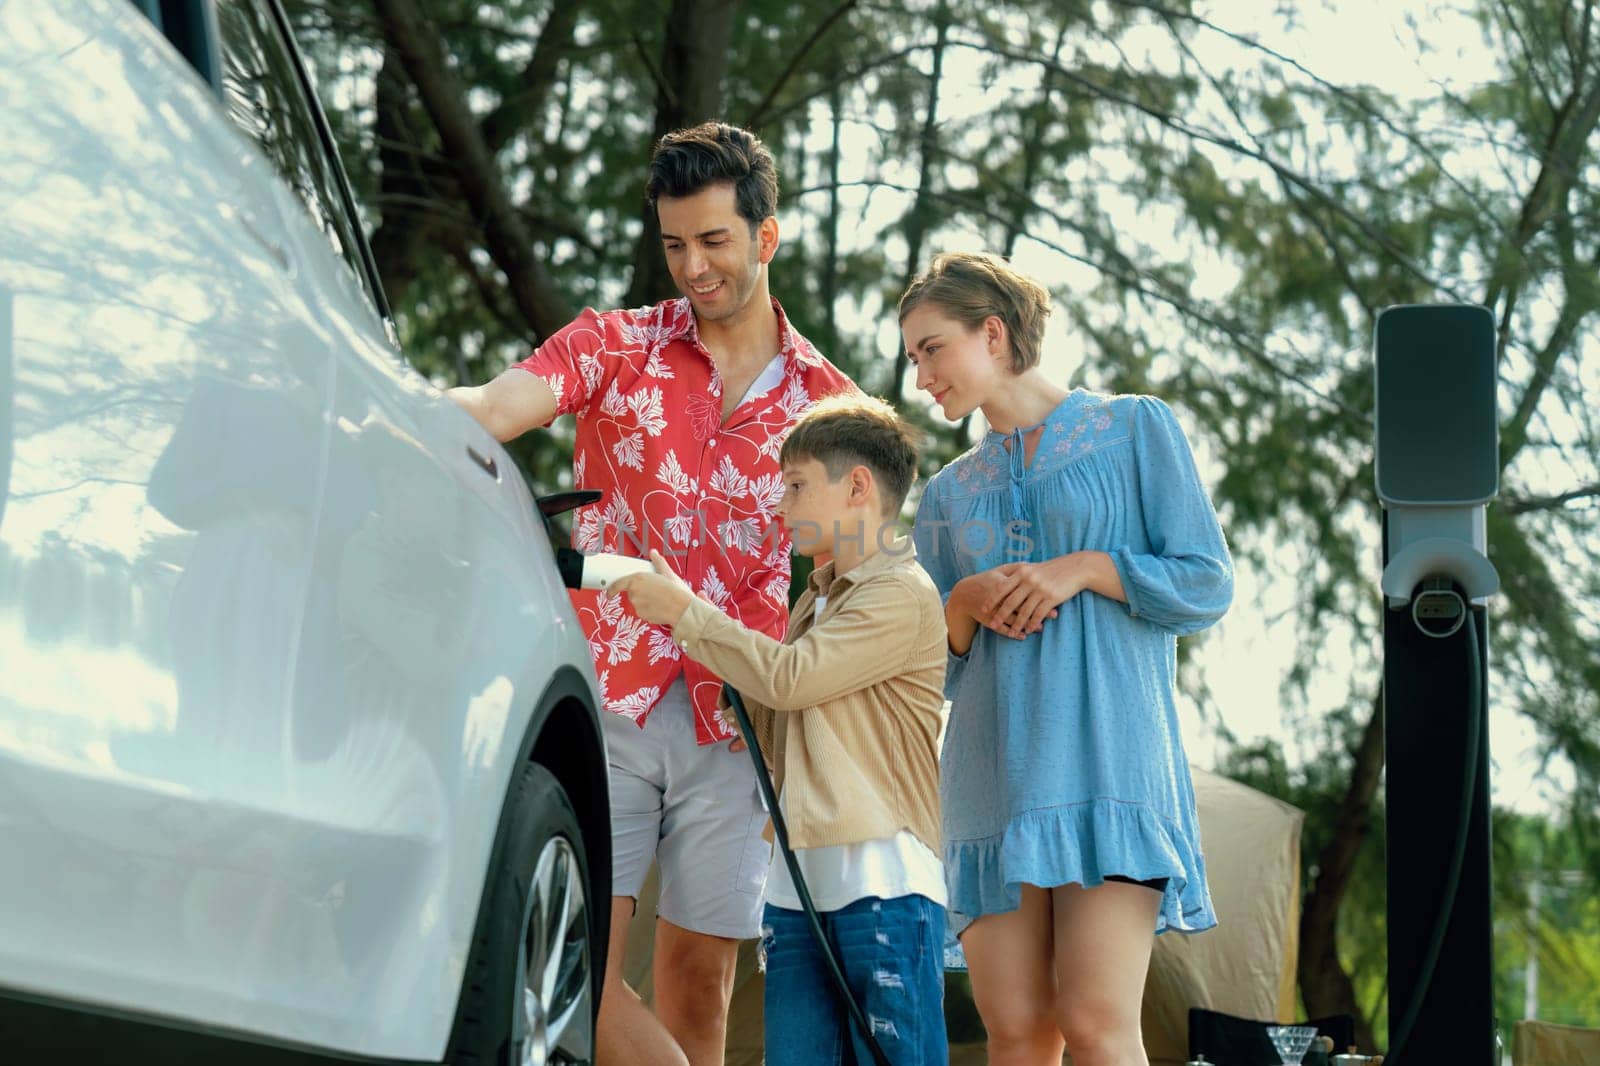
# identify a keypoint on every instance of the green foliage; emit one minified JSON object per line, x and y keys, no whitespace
{"x":1546,"y":910}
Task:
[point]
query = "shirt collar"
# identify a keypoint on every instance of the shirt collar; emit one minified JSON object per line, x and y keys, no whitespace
{"x":680,"y":321}
{"x":899,"y":551}
{"x":794,"y":348}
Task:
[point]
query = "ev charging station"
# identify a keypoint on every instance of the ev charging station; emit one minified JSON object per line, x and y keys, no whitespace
{"x":1437,"y":467}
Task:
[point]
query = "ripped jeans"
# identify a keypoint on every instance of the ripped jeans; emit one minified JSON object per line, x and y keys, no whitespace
{"x":891,"y":951}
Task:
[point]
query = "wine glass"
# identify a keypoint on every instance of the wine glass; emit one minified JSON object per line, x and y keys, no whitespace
{"x":1291,"y":1042}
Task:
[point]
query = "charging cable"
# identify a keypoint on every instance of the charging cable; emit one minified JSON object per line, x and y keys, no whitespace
{"x":1439,"y":610}
{"x":780,"y":830}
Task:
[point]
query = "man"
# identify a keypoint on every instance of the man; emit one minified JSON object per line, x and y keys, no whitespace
{"x":682,"y":408}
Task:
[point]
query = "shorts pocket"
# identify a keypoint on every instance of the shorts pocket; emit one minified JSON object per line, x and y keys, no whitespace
{"x":755,"y":855}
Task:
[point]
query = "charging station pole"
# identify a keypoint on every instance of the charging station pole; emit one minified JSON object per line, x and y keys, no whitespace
{"x":1437,"y":467}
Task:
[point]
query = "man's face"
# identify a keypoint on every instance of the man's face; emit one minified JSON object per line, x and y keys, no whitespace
{"x":714,"y":259}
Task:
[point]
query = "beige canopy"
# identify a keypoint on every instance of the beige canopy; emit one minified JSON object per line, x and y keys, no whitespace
{"x":1245,"y":966}
{"x":1547,"y":1044}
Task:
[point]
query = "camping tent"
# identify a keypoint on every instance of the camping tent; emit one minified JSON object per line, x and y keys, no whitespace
{"x":1245,"y":966}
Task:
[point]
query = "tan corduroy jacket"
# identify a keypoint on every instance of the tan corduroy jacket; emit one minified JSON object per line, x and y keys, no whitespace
{"x":847,"y":709}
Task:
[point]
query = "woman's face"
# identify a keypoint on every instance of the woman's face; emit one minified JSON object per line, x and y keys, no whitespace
{"x":958,"y":365}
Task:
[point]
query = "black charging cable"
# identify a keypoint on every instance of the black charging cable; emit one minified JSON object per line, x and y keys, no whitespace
{"x":1458,"y":855}
{"x":780,"y":830}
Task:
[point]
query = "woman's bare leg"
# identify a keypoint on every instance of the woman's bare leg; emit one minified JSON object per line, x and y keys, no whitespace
{"x":1013,"y":982}
{"x":1102,"y":942}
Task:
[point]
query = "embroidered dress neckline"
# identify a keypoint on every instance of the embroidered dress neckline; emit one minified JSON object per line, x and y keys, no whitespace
{"x":997,"y":436}
{"x":1016,"y":447}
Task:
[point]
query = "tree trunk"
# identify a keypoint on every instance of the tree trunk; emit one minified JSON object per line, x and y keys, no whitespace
{"x":688,"y":92}
{"x":533,"y":291}
{"x":917,"y":218}
{"x":418,"y":193}
{"x":1038,"y":121}
{"x":829,"y":283}
{"x":1324,"y":984}
{"x":404,"y":192}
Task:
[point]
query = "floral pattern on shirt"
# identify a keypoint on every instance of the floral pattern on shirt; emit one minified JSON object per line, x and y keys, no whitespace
{"x":678,"y":479}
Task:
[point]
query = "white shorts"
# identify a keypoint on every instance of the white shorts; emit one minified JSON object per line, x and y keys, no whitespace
{"x":696,"y":811}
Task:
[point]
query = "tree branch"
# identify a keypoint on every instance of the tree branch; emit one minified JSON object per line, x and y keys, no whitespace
{"x":537,"y":299}
{"x":1324,"y":984}
{"x":1173,"y":122}
{"x":537,"y":78}
{"x":755,"y":118}
{"x":488,"y":293}
{"x":1529,"y":51}
{"x":657,"y":78}
{"x":1329,"y":239}
{"x":1341,"y":92}
{"x":845,"y":77}
{"x":694,"y":57}
{"x":1518,"y":505}
{"x":1573,"y":311}
{"x":1126,"y":273}
{"x":1571,"y":125}
{"x":403,"y":177}
{"x":916,"y":221}
{"x":1038,"y":118}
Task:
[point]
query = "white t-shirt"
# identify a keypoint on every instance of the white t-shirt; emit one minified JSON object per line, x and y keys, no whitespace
{"x":770,"y":378}
{"x":839,"y":875}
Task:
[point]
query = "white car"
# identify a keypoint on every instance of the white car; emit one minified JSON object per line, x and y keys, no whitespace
{"x":298,"y":738}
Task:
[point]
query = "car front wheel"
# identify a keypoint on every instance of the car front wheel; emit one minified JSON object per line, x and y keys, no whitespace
{"x":529,"y":995}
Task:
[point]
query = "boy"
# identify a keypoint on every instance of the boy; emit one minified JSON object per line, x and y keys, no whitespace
{"x":847,"y":712}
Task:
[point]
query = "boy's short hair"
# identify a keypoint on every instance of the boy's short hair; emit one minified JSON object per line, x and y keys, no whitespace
{"x":714,"y":153}
{"x":841,"y":432}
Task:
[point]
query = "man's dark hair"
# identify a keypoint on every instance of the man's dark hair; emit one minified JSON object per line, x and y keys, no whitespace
{"x":714,"y":153}
{"x":844,"y":431}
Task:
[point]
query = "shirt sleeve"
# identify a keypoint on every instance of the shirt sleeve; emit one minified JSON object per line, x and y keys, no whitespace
{"x":575,"y":362}
{"x":867,"y":639}
{"x":1184,"y":583}
{"x":936,"y":551}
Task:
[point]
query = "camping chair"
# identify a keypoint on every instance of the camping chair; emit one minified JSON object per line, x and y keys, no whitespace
{"x":1230,"y":1041}
{"x":1546,"y":1044}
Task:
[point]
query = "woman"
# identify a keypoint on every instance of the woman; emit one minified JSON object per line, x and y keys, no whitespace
{"x":1073,"y":545}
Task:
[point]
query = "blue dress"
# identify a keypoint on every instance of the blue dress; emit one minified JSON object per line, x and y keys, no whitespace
{"x":1063,"y":761}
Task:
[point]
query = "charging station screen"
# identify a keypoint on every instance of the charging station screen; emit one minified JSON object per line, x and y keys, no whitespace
{"x":1438,"y":437}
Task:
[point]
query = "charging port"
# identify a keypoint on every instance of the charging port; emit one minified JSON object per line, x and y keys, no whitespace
{"x":1438,"y":608}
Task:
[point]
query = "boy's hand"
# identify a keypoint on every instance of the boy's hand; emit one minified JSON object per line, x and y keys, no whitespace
{"x":659,"y":598}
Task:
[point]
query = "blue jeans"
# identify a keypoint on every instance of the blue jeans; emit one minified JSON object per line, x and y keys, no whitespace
{"x":891,"y":951}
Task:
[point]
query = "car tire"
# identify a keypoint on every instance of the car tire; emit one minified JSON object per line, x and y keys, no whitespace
{"x":529,"y":996}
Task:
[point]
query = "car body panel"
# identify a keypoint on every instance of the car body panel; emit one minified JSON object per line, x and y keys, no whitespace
{"x":271,"y":639}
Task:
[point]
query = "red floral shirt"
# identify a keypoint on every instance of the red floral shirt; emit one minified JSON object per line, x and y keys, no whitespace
{"x":677,"y":479}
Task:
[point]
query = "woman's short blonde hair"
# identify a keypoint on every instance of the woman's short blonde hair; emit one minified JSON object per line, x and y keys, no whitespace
{"x":972,"y":286}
